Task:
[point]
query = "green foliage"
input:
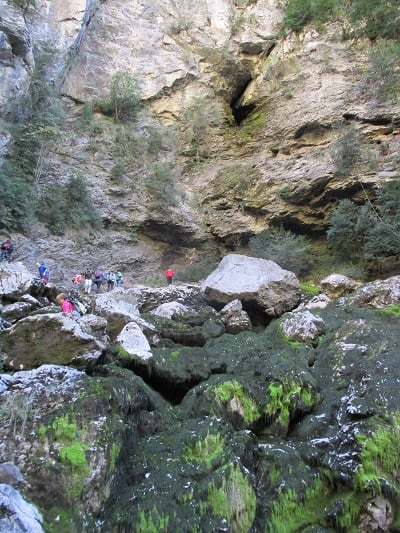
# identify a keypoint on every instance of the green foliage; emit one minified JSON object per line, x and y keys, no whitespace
{"x":233,"y":390}
{"x":123,"y":102}
{"x":202,"y":266}
{"x":235,"y":501}
{"x":379,"y":458}
{"x":161,"y":189}
{"x":347,"y":150}
{"x":368,"y":18}
{"x":298,"y":13}
{"x":80,"y":210}
{"x":381,"y":80}
{"x":183,"y":23}
{"x":342,"y":234}
{"x":375,"y":18}
{"x":205,"y":450}
{"x":69,"y":206}
{"x":25,"y":5}
{"x":392,"y":310}
{"x":35,"y":122}
{"x":370,"y":231}
{"x":288,"y":250}
{"x":16,"y":212}
{"x":201,"y":119}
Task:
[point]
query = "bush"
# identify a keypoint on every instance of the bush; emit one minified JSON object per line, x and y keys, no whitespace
{"x":290,"y":251}
{"x":381,"y":79}
{"x":347,"y":151}
{"x":124,"y":98}
{"x":367,"y":232}
{"x":160,"y":187}
{"x":375,"y":18}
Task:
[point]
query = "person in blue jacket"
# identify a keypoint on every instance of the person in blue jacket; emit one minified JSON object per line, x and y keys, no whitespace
{"x":44,"y":273}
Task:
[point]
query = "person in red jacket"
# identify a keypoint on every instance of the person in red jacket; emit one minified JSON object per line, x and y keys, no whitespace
{"x":169,"y":275}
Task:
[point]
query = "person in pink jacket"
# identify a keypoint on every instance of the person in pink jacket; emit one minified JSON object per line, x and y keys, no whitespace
{"x":66,"y":305}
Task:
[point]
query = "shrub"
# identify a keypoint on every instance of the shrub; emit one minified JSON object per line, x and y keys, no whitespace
{"x":160,"y":187}
{"x":123,"y":102}
{"x":201,"y":118}
{"x":81,"y":213}
{"x":288,"y":250}
{"x":370,"y":231}
{"x":381,"y":80}
{"x":374,"y":18}
{"x":347,"y":150}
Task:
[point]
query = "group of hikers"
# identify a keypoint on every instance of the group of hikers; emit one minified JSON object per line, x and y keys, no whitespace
{"x":88,"y":277}
{"x":97,"y":278}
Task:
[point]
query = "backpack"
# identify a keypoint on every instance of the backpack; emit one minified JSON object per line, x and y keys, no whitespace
{"x":97,"y":274}
{"x":78,"y":306}
{"x":111,"y":276}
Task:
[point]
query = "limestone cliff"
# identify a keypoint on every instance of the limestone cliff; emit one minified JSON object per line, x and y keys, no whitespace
{"x":237,"y":131}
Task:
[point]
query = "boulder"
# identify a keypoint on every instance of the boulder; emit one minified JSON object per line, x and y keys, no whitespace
{"x":260,"y":285}
{"x":302,"y":327}
{"x":169,"y":310}
{"x":377,"y":294}
{"x":235,"y":318}
{"x":134,"y":342}
{"x":14,"y":279}
{"x":51,"y":338}
{"x":17,"y":514}
{"x":337,"y":285}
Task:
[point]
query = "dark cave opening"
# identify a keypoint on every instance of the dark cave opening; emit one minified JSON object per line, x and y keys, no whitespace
{"x":240,"y":113}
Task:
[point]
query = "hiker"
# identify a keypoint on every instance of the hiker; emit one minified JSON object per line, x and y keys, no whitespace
{"x":77,"y":280}
{"x":98,"y":279}
{"x":169,"y":275}
{"x":88,"y":275}
{"x":44,"y":273}
{"x":7,"y":249}
{"x":118,"y":279}
{"x":66,"y":305}
{"x":111,"y":279}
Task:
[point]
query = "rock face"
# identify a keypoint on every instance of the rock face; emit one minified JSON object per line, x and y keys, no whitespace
{"x":257,"y":283}
{"x":245,"y":120}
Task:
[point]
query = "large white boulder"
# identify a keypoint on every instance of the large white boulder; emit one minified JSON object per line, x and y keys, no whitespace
{"x":257,"y":283}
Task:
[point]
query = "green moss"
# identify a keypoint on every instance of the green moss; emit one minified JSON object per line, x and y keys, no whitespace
{"x":235,"y":501}
{"x":309,"y":288}
{"x":114,"y":452}
{"x":285,"y":396}
{"x":152,"y":522}
{"x":379,"y":457}
{"x":75,"y":455}
{"x":58,"y":520}
{"x":290,"y":512}
{"x":205,"y":450}
{"x":392,"y":310}
{"x":233,"y":390}
{"x":64,"y":429}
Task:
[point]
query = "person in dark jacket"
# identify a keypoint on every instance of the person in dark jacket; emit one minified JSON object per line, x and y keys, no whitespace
{"x":7,"y":249}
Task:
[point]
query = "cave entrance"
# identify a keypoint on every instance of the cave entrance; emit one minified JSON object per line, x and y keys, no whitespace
{"x":242,"y":112}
